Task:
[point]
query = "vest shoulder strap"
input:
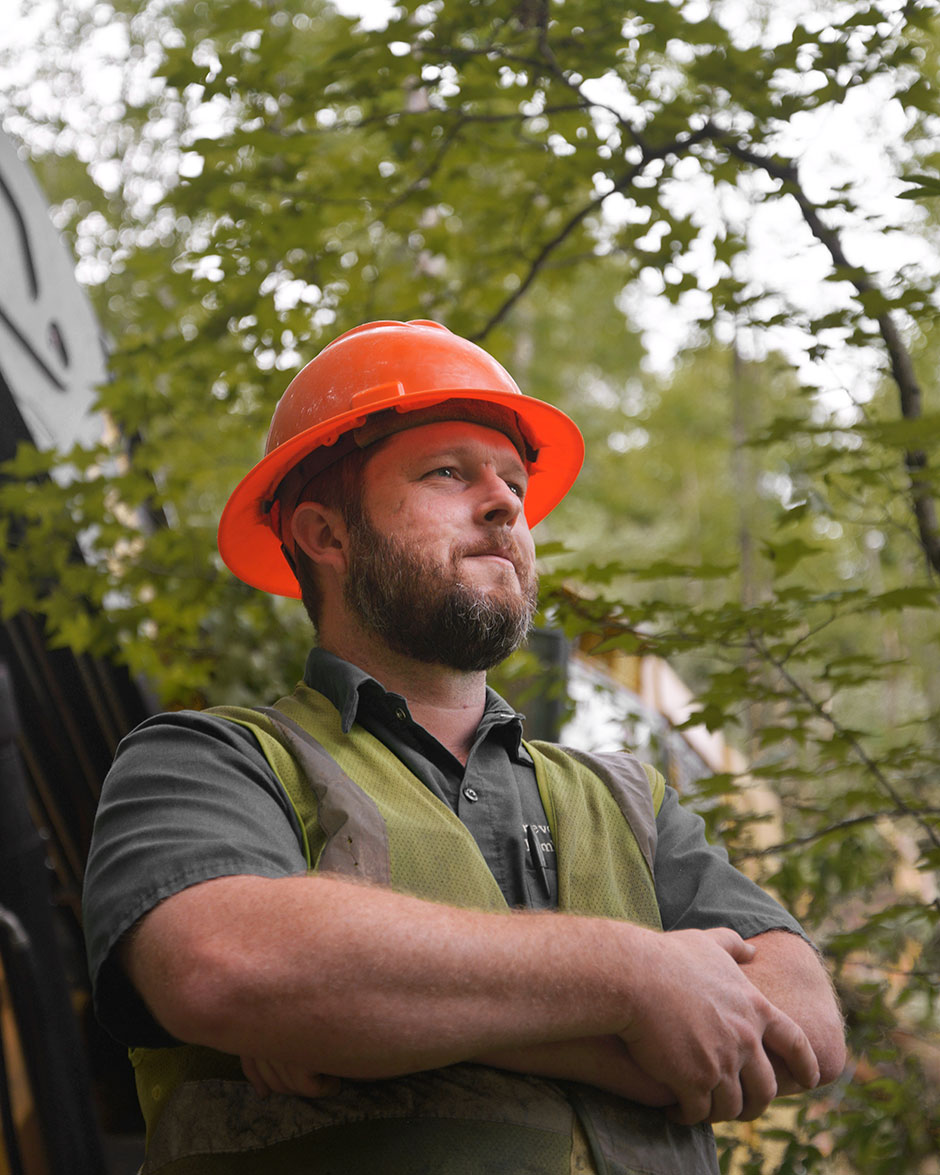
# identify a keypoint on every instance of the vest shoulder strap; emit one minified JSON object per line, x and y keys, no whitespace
{"x":365,"y":814}
{"x":604,"y":823}
{"x":355,"y":837}
{"x":637,"y":787}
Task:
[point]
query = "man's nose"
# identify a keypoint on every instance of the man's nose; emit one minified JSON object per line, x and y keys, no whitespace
{"x":498,"y":503}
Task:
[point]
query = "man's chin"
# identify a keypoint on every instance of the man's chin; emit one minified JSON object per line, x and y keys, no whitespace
{"x":503,"y":597}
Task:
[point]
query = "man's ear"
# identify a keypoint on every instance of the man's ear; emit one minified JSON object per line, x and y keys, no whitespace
{"x":321,"y":533}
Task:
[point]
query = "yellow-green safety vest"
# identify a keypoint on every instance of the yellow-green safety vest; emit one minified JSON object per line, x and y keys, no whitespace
{"x":364,"y":814}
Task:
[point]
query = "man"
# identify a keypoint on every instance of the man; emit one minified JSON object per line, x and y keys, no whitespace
{"x":328,"y":929}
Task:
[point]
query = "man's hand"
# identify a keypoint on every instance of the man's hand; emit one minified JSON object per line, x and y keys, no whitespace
{"x":279,"y":1077}
{"x":791,"y":975}
{"x":702,"y":1029}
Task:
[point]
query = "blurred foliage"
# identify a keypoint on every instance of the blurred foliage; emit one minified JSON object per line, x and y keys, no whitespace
{"x":556,"y":180}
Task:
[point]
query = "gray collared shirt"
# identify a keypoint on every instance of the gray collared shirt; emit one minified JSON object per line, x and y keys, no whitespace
{"x":495,"y":795}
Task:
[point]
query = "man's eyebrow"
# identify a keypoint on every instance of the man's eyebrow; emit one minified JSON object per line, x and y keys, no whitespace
{"x":460,"y":449}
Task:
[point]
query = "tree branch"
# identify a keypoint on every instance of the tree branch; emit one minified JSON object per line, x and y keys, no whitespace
{"x":850,"y":822}
{"x":902,"y":367}
{"x":676,"y":146}
{"x":901,"y":806}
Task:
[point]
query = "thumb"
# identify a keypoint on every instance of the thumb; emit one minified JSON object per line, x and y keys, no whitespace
{"x":739,"y":950}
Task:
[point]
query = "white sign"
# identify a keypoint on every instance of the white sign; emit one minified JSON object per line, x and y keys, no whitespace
{"x":51,"y":353}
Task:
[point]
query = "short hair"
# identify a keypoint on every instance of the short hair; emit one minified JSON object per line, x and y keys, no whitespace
{"x":338,"y":487}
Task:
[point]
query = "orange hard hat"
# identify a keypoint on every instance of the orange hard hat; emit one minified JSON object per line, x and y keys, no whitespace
{"x":386,"y":367}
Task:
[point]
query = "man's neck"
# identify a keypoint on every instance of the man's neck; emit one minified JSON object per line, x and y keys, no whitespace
{"x":447,"y":702}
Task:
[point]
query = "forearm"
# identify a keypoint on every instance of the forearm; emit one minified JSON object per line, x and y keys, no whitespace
{"x":790,"y":974}
{"x":316,"y":975}
{"x":362,"y":982}
{"x":601,"y":1061}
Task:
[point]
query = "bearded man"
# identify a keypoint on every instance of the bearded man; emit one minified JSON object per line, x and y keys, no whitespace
{"x":371,"y":928}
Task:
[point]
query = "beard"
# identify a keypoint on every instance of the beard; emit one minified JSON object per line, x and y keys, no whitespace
{"x":422,"y":609}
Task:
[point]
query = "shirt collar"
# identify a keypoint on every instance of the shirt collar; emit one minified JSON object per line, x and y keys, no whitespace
{"x":348,"y":687}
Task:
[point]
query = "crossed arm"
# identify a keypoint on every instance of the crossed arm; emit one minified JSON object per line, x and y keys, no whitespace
{"x":306,"y":976}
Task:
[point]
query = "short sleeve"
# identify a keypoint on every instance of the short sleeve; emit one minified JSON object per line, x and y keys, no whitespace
{"x":189,"y":797}
{"x":698,"y":888}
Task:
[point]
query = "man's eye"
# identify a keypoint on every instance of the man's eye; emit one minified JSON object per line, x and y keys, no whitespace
{"x":517,"y":489}
{"x":442,"y":471}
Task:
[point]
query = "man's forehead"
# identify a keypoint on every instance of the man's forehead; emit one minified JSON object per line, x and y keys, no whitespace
{"x":443,"y":436}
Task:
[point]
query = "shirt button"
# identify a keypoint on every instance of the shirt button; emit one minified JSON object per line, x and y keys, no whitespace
{"x":400,"y":714}
{"x":471,"y":794}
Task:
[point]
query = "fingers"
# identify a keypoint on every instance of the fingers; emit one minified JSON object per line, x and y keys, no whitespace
{"x":703,"y":1105}
{"x":743,"y":1097}
{"x":690,"y":1110}
{"x":784,"y":1037}
{"x":274,"y":1076}
{"x":727,"y":1101}
{"x":253,"y":1073}
{"x":758,"y":1087}
{"x":269,"y":1077}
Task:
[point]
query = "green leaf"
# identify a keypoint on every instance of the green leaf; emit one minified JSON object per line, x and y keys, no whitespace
{"x":924,"y":187}
{"x":787,"y":555}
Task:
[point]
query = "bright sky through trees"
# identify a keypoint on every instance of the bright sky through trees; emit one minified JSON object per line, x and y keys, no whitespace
{"x":862,"y":139}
